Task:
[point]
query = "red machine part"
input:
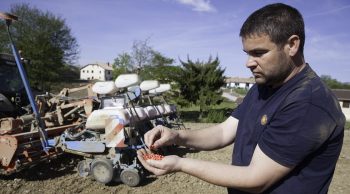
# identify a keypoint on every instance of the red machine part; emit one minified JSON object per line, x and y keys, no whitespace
{"x":21,"y":150}
{"x":8,"y":147}
{"x":10,"y":126}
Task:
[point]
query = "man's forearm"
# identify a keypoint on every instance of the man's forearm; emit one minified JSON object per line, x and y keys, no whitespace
{"x":204,"y":139}
{"x":225,"y":175}
{"x":260,"y":174}
{"x":210,"y":138}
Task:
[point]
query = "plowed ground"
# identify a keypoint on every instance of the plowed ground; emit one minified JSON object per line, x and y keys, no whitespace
{"x":60,"y":176}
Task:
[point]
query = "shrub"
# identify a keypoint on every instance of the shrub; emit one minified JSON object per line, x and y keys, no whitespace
{"x":216,"y":116}
{"x":347,"y":125}
{"x":241,"y":91}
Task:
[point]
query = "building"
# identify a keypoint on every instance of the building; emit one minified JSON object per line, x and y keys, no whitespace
{"x":343,"y":96}
{"x":237,"y":82}
{"x":101,"y":72}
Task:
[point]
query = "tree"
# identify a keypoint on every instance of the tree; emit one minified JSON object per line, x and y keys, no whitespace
{"x":160,"y":69}
{"x":200,"y":83}
{"x":122,"y":64}
{"x":164,"y":74}
{"x":142,"y":53}
{"x":45,"y":40}
{"x":333,"y":83}
{"x":147,"y":62}
{"x":159,"y":60}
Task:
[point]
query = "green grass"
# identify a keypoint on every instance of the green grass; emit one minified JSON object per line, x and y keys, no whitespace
{"x":216,"y":113}
{"x":347,"y":125}
{"x":241,"y":91}
{"x":224,"y":104}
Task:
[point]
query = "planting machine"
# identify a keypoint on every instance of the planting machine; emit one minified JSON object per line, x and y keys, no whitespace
{"x":114,"y":132}
{"x":104,"y":123}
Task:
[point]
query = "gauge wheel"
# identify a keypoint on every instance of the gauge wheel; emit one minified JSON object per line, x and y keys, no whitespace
{"x":83,"y":168}
{"x":130,"y":177}
{"x":102,"y":170}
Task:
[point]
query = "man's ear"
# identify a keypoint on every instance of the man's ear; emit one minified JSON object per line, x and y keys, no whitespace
{"x":293,"y":45}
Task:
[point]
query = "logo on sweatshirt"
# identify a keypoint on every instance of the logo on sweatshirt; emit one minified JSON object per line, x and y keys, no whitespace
{"x":263,"y":120}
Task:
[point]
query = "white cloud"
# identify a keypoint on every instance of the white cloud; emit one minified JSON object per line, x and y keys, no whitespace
{"x":199,"y":5}
{"x":331,"y":11}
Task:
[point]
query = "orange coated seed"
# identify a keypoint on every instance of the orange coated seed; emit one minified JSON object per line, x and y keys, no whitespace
{"x":152,"y":157}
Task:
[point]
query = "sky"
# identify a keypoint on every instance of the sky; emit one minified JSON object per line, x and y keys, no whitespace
{"x":197,"y":29}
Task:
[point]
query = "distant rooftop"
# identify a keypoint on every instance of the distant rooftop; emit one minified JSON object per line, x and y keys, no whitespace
{"x":240,"y":80}
{"x":342,"y":94}
{"x":106,"y":66}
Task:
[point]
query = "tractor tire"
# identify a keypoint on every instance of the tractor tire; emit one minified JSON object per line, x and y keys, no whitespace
{"x":102,"y":170}
{"x":83,"y":168}
{"x":130,"y":177}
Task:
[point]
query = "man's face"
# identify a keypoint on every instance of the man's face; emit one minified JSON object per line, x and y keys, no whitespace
{"x":270,"y":64}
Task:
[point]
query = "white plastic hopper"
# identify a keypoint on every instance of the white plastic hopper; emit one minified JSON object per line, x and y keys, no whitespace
{"x":162,"y":88}
{"x":161,"y":109}
{"x":97,"y":119}
{"x":149,"y":85}
{"x":127,"y":80}
{"x":141,"y":114}
{"x":107,"y":87}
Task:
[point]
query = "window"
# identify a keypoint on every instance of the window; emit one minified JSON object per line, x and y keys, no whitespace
{"x":92,"y":71}
{"x":83,"y":71}
{"x":87,"y":71}
{"x":100,"y":72}
{"x":346,"y":104}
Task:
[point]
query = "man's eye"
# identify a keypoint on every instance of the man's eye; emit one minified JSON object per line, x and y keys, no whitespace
{"x":257,"y":53}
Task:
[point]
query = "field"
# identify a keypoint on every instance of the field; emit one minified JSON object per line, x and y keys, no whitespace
{"x":60,"y":176}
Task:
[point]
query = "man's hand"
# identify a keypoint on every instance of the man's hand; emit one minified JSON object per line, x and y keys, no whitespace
{"x":167,"y":164}
{"x":160,"y":136}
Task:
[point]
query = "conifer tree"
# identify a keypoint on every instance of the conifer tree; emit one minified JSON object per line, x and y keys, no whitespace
{"x":200,"y":83}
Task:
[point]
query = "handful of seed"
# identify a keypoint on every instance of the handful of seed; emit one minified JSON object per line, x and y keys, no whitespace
{"x":152,"y":157}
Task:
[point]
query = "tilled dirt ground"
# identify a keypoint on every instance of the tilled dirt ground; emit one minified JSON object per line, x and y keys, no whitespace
{"x":60,"y":176}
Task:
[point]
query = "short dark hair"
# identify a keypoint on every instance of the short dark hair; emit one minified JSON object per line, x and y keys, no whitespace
{"x":279,"y":21}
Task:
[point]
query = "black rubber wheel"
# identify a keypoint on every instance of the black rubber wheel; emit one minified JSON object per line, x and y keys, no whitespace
{"x":102,"y":170}
{"x":130,"y":177}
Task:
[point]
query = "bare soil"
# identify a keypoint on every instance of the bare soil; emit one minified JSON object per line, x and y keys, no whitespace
{"x":60,"y":176}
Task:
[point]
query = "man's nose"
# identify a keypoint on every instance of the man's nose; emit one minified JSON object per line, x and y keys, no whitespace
{"x":251,"y":62}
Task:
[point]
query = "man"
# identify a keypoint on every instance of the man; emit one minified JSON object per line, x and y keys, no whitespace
{"x":287,"y":132}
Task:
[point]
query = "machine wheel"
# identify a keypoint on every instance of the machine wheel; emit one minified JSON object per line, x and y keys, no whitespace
{"x":130,"y":177}
{"x":83,"y":168}
{"x":102,"y":170}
